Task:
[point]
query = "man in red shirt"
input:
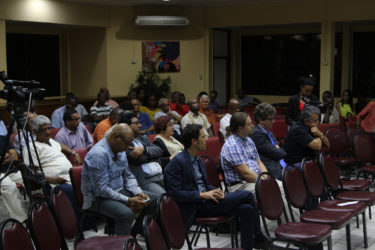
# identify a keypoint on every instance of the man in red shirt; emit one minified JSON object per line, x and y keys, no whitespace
{"x":175,"y":104}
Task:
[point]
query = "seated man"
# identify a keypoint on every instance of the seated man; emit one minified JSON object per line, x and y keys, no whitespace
{"x":109,"y":187}
{"x":214,"y":105}
{"x":71,"y":102}
{"x":54,"y":163}
{"x":166,"y":111}
{"x":104,"y":125}
{"x":240,"y":160}
{"x":9,"y":191}
{"x":147,"y":125}
{"x":74,"y":134}
{"x":366,"y":118}
{"x":304,"y":137}
{"x":233,"y":106}
{"x":187,"y":183}
{"x":143,"y":157}
{"x":177,"y":105}
{"x":268,"y":147}
{"x":205,"y":109}
{"x":100,"y":111}
{"x":246,"y":100}
{"x":195,"y":117}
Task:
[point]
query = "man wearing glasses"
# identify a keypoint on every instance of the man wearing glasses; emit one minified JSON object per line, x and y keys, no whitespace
{"x":74,"y":134}
{"x":268,"y":147}
{"x":304,"y":137}
{"x":109,"y":187}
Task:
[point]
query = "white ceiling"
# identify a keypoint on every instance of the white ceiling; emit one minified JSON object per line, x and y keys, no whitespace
{"x":190,"y":3}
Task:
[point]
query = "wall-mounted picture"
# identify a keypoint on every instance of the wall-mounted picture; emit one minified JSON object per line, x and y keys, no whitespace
{"x":161,"y":57}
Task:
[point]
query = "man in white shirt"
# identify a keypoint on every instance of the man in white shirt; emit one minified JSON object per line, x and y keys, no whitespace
{"x":195,"y":117}
{"x":234,"y":106}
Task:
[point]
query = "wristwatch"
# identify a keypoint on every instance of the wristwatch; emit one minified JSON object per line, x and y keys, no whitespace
{"x":73,"y":152}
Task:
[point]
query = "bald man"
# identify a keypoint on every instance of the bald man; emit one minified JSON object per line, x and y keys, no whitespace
{"x":234,"y":106}
{"x":109,"y":187}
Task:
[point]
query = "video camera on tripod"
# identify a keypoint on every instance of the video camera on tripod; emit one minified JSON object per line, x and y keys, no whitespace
{"x":19,"y":95}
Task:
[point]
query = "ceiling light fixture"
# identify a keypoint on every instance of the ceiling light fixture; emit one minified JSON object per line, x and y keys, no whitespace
{"x":166,"y":0}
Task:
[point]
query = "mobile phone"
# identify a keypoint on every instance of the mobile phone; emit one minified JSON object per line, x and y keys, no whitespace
{"x":147,"y":200}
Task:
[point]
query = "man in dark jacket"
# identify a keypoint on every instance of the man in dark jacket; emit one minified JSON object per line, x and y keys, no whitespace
{"x":143,"y":157}
{"x":187,"y":183}
{"x":268,"y":147}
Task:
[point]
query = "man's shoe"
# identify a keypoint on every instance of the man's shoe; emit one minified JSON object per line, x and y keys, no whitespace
{"x":261,"y":242}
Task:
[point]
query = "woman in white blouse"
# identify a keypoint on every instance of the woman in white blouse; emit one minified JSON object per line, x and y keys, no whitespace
{"x":170,"y":145}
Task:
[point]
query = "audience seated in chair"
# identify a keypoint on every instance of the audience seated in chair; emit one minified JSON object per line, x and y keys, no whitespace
{"x":109,"y":187}
{"x":187,"y":183}
{"x":329,"y":112}
{"x":27,"y":132}
{"x":147,"y":127}
{"x":366,"y":118}
{"x":204,"y":102}
{"x":104,"y":125}
{"x":177,"y":105}
{"x":214,"y":105}
{"x":74,"y":134}
{"x":239,"y":157}
{"x":304,"y":137}
{"x":71,"y":101}
{"x":270,"y":153}
{"x":150,"y":105}
{"x":165,"y":140}
{"x":195,"y":117}
{"x":233,"y":106}
{"x":108,"y":100}
{"x":165,"y":110}
{"x":100,"y":111}
{"x":143,"y":157}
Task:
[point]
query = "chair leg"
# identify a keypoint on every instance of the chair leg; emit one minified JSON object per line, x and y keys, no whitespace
{"x":369,"y":212}
{"x":365,"y":241}
{"x":188,"y":242}
{"x":207,"y":236}
{"x":357,"y":220}
{"x":348,"y":239}
{"x":194,"y":234}
{"x":198,"y":235}
{"x":329,"y":243}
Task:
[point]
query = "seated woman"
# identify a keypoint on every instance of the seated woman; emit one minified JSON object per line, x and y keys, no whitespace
{"x":345,"y":107}
{"x":170,"y":145}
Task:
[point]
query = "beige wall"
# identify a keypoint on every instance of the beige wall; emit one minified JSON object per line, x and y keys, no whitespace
{"x":99,"y":42}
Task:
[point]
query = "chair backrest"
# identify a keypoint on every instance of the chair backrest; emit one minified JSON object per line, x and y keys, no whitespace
{"x":324,"y":126}
{"x":216,"y":128}
{"x":152,"y":137}
{"x":337,"y":140}
{"x":364,"y":148}
{"x":82,"y":152}
{"x":294,"y":187}
{"x":54,"y":132}
{"x":131,"y":244}
{"x":212,"y":171}
{"x":279,"y":128}
{"x":14,"y":236}
{"x":213,"y":149}
{"x":12,"y":138}
{"x":269,"y":197}
{"x":330,"y":172}
{"x":221,"y":138}
{"x":171,"y":222}
{"x":88,"y":128}
{"x":75,"y":178}
{"x":153,"y":235}
{"x":65,"y":214}
{"x":352,"y":131}
{"x":43,"y":227}
{"x":313,"y":178}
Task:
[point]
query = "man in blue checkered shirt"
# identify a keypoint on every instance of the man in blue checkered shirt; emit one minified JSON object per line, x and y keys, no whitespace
{"x":239,"y":157}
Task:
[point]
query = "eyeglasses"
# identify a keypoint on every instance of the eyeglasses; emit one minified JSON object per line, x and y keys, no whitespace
{"x":270,"y":118}
{"x":135,"y":123}
{"x":76,"y":119}
{"x":44,"y":129}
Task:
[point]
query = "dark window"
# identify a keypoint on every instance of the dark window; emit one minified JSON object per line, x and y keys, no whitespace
{"x":338,"y":65}
{"x":35,"y":57}
{"x":363,"y":64}
{"x":272,"y":64}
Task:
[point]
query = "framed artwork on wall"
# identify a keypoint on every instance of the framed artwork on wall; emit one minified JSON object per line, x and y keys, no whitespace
{"x":161,"y":57}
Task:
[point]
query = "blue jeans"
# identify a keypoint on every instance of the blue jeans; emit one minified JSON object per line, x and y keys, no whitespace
{"x":240,"y":204}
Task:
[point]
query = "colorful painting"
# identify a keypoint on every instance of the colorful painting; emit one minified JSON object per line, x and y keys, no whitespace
{"x":161,"y":57}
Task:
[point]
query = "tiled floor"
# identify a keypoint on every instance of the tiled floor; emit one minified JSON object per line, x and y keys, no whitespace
{"x":223,"y":240}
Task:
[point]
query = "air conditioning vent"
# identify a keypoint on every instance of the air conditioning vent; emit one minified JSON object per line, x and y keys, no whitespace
{"x":166,"y":21}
